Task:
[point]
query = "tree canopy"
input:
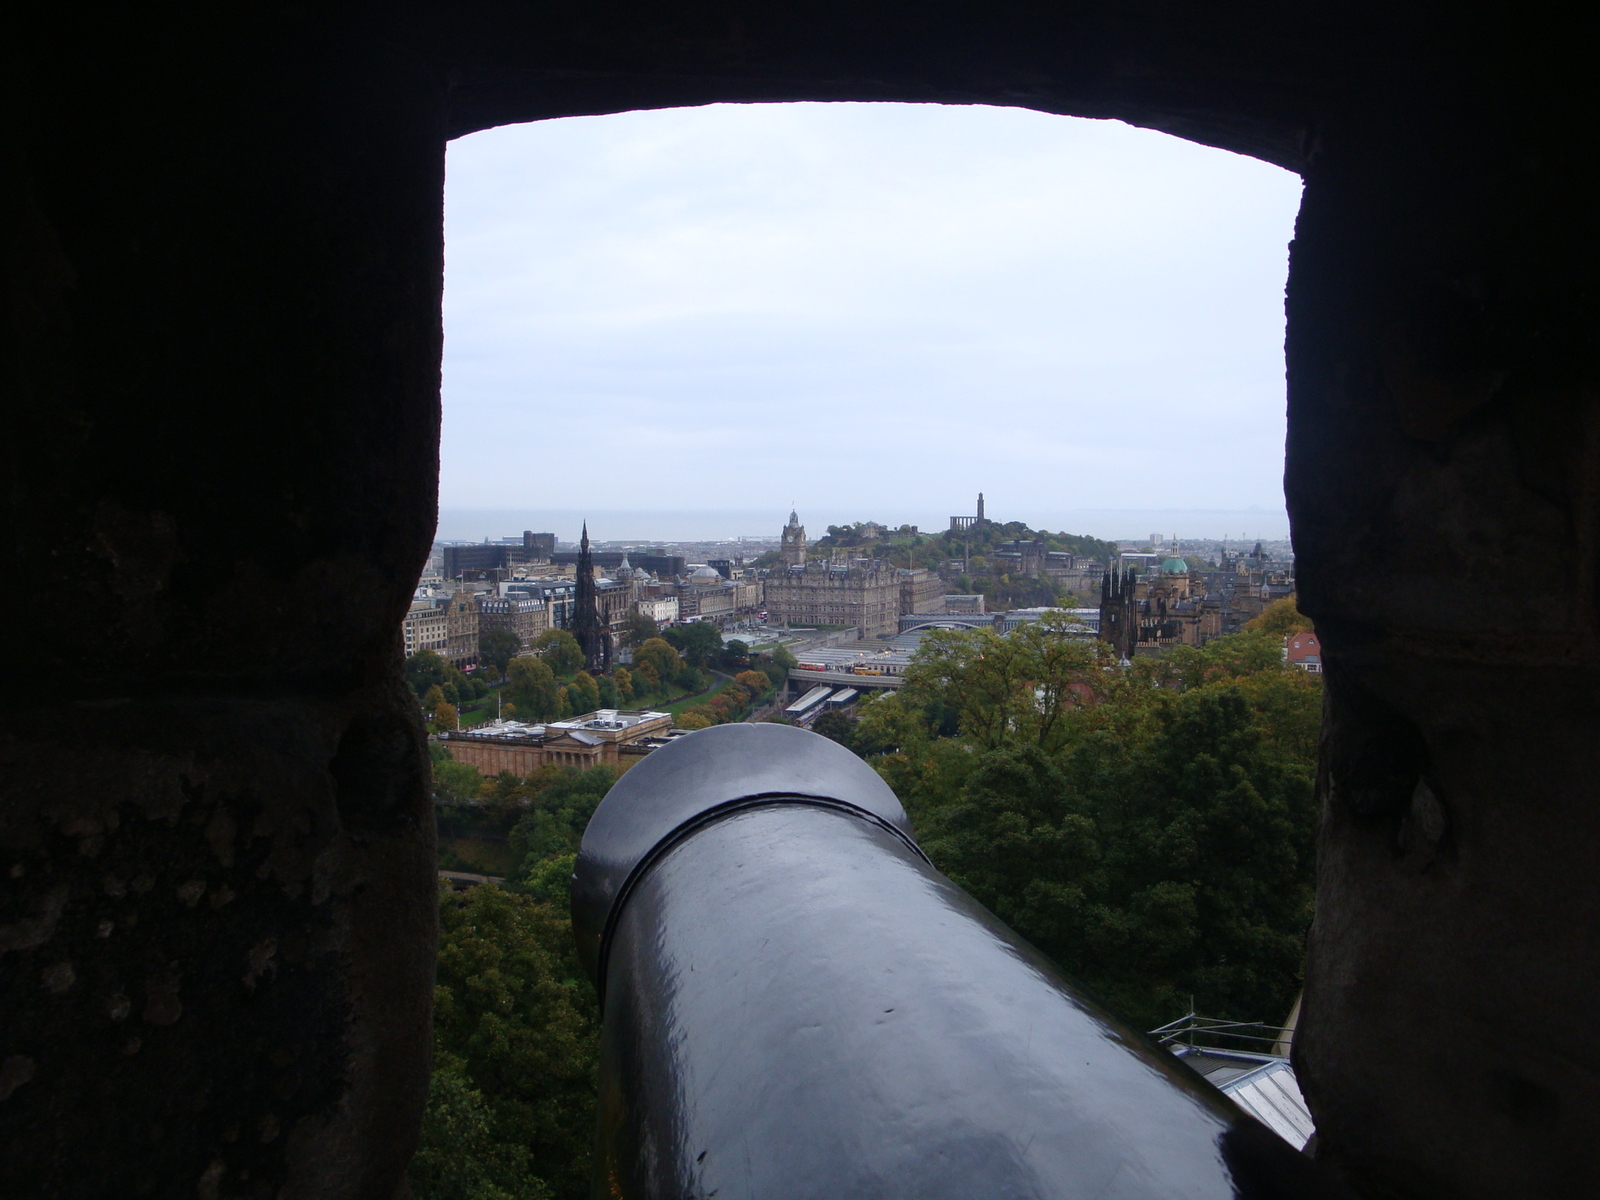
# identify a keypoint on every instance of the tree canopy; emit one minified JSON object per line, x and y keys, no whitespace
{"x":511,"y":1111}
{"x":496,"y":647}
{"x":698,"y":642}
{"x":559,"y":649}
{"x":638,"y":629}
{"x":1281,"y":617}
{"x":658,"y":662}
{"x":1150,"y":828}
{"x":531,"y":686}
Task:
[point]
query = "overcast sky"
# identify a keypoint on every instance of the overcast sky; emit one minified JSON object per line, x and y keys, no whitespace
{"x":868,"y":310}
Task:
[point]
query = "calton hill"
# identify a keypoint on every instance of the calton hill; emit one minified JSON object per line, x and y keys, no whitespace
{"x":974,"y":547}
{"x":1147,"y":825}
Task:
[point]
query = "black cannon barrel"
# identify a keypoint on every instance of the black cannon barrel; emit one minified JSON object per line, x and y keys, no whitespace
{"x":798,"y":1005}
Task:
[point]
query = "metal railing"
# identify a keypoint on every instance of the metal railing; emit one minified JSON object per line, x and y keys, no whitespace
{"x":1214,"y":1033}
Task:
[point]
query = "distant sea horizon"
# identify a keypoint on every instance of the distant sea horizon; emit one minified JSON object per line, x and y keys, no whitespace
{"x":673,"y":525}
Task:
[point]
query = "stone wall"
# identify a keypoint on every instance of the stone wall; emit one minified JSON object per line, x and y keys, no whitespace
{"x":224,"y":261}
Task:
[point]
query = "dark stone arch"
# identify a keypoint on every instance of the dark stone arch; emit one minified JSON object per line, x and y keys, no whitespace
{"x":223,"y":252}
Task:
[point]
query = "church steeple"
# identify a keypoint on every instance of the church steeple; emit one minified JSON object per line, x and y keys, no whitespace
{"x":587,"y":628}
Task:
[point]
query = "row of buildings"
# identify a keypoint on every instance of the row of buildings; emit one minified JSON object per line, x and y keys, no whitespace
{"x":1149,"y":604}
{"x":530,"y":587}
{"x":868,"y":594}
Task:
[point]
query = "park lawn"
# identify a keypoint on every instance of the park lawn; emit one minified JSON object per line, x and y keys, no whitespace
{"x":478,"y":711}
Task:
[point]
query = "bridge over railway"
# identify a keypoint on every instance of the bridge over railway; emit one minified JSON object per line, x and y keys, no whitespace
{"x":915,"y":621}
{"x":800,"y":680}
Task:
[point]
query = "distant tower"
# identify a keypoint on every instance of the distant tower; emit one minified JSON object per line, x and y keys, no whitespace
{"x":980,"y":508}
{"x":794,"y":541}
{"x":591,"y":636}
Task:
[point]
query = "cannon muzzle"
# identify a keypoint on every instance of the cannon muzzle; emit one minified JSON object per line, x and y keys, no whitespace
{"x":798,"y":1006}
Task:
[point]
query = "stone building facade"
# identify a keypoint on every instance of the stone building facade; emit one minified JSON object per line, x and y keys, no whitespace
{"x":605,"y":736}
{"x":921,"y":591}
{"x":867,"y":593}
{"x":862,"y":592}
{"x":1170,"y":606}
{"x":425,"y":627}
{"x":663,"y":610}
{"x":524,"y":615}
{"x":461,"y":621}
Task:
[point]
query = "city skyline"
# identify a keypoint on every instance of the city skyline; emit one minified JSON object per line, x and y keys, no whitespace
{"x":654,"y":525}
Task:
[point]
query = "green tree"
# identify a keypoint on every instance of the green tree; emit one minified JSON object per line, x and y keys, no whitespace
{"x":608,"y":692}
{"x":776,"y":665}
{"x":515,"y":1023}
{"x":1024,"y":685}
{"x":583,"y":694}
{"x":559,"y":649}
{"x":531,"y":687}
{"x":1148,"y":827}
{"x":735,"y":654}
{"x":462,"y":1154}
{"x":496,"y":648}
{"x":698,"y":642}
{"x":556,"y":814}
{"x":425,"y":669}
{"x":638,"y":629}
{"x":657,"y":661}
{"x":454,"y":783}
{"x":836,"y":726}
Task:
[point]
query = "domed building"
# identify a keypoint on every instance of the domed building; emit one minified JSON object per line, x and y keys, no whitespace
{"x":1175,"y":575}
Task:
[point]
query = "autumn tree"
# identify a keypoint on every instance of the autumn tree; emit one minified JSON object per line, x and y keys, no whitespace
{"x":1280,"y":619}
{"x":658,"y":662}
{"x":624,"y":681}
{"x":754,"y":682}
